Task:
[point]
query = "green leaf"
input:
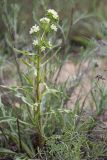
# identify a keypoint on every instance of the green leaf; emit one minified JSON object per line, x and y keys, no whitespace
{"x":26,"y":63}
{"x":7,"y":119}
{"x":25,"y":146}
{"x":6,"y":151}
{"x":22,"y":52}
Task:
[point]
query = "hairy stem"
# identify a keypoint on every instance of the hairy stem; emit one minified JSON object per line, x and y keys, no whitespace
{"x":38,"y":100}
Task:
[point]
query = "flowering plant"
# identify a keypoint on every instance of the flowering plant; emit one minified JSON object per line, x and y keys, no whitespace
{"x":47,"y":25}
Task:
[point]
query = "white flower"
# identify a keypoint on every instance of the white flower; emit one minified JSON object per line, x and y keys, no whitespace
{"x":50,"y":45}
{"x":53,"y":27}
{"x":34,"y":29}
{"x":53,"y":13}
{"x":35,"y":43}
{"x":43,"y":48}
{"x":45,"y":20}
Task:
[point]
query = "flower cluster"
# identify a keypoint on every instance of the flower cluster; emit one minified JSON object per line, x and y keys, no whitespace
{"x":35,"y":43}
{"x":53,"y":27}
{"x":34,"y":29}
{"x":53,"y":14}
{"x":45,"y":20}
{"x":47,"y":24}
{"x":43,"y":48}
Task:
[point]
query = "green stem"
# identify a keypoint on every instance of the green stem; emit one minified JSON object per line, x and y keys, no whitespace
{"x":38,"y":100}
{"x":38,"y":89}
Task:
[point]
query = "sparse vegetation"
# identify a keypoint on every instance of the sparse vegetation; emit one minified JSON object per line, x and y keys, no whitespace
{"x":53,"y":80}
